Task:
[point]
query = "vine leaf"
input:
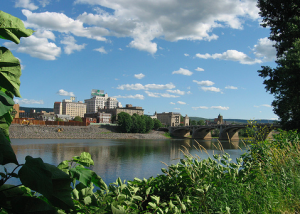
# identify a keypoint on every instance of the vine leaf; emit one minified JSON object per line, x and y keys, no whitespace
{"x":61,"y":196}
{"x":12,"y":28}
{"x":82,"y":174}
{"x":6,"y":103}
{"x":84,"y":159}
{"x":10,"y":70}
{"x":25,"y":204}
{"x":7,"y":154}
{"x":35,"y":175}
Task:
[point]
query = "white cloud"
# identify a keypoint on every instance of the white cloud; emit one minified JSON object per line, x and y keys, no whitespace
{"x":139,"y":76}
{"x":264,"y":105}
{"x":172,"y":103}
{"x":26,"y":4}
{"x":181,"y":103}
{"x":177,"y":108}
{"x":230,"y":87}
{"x":212,"y":107}
{"x":28,"y":102}
{"x":44,"y":3}
{"x":70,"y":45}
{"x":265,"y":49}
{"x":213,"y":89}
{"x":199,"y":69}
{"x":120,"y":49}
{"x":220,"y":107}
{"x":60,"y":22}
{"x":166,"y":95}
{"x":183,"y":72}
{"x":176,"y":92}
{"x":36,"y":47}
{"x":186,"y":54}
{"x":172,"y":20}
{"x":62,"y":92}
{"x":189,"y":92}
{"x":101,"y":50}
{"x":137,"y":96}
{"x":204,"y":82}
{"x":231,"y":55}
{"x":44,"y":34}
{"x":139,"y":86}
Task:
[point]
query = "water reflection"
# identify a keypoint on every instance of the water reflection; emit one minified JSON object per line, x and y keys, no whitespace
{"x":121,"y":158}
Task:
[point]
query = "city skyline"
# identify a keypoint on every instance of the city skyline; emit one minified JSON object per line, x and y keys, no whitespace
{"x":197,"y":58}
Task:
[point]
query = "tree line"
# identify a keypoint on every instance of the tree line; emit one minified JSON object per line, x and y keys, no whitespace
{"x":136,"y":123}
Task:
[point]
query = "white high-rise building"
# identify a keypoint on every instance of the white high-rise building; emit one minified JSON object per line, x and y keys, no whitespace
{"x":101,"y":102}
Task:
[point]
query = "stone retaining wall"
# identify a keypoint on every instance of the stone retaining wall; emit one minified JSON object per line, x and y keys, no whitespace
{"x":76,"y":132}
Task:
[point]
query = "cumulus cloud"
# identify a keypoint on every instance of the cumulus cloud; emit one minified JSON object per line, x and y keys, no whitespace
{"x":265,"y":49}
{"x":70,"y":45}
{"x":264,"y":105}
{"x":137,"y":96}
{"x":60,"y":22}
{"x":176,"y":92}
{"x":204,"y":82}
{"x":230,"y":87}
{"x":213,"y":89}
{"x":172,"y":20}
{"x":177,"y":108}
{"x":26,"y":4}
{"x":36,"y":47}
{"x":139,"y":76}
{"x":139,"y":86}
{"x":231,"y":55}
{"x":199,"y":69}
{"x":181,"y":103}
{"x":212,"y":107}
{"x":28,"y":102}
{"x":183,"y":72}
{"x":44,"y":34}
{"x":101,"y":50}
{"x":62,"y":92}
{"x":186,"y":54}
{"x":172,"y":103}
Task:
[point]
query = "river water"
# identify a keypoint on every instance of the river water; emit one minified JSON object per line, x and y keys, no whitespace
{"x":126,"y":159}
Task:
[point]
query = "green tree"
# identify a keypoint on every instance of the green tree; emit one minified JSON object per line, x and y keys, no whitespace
{"x":124,"y":122}
{"x":59,"y":119}
{"x":78,"y":119}
{"x":149,"y":123}
{"x":157,"y":124}
{"x":201,"y":122}
{"x":283,"y":19}
{"x":193,"y":122}
{"x":283,"y":83}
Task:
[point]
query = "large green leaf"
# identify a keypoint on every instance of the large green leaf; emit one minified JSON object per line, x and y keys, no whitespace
{"x":61,"y":196}
{"x":7,"y":194}
{"x":97,"y":180}
{"x":35,"y":175}
{"x":12,"y":28}
{"x":84,"y":159}
{"x":82,"y":174}
{"x":7,"y":154}
{"x":10,"y":70}
{"x":6,"y":103}
{"x":25,"y":204}
{"x":5,"y":122}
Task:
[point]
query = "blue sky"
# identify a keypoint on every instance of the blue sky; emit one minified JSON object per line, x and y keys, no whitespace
{"x":195,"y":57}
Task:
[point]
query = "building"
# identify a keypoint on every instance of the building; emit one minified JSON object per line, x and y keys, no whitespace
{"x":101,"y":101}
{"x":101,"y":117}
{"x":169,"y":118}
{"x":186,"y":120}
{"x":70,"y":107}
{"x":57,"y":108}
{"x":128,"y":109}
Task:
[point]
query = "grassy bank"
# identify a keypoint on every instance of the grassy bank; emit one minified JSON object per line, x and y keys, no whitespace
{"x":266,"y":179}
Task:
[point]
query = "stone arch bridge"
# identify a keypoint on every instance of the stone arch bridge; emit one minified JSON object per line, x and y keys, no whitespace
{"x":226,"y":131}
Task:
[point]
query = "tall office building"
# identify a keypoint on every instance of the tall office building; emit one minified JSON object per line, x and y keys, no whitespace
{"x":101,"y":101}
{"x":70,"y":107}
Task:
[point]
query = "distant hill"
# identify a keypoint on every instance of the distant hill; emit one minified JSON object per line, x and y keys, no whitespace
{"x":242,"y":121}
{"x":27,"y":109}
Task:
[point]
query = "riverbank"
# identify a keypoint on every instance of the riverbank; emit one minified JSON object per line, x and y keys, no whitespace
{"x":76,"y":132}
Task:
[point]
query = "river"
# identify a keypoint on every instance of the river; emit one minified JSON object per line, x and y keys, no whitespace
{"x":120,"y":158}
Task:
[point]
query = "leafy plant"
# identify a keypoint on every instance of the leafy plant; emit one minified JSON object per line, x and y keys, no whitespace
{"x":45,"y":179}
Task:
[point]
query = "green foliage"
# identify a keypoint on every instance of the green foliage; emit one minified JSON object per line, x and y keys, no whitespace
{"x":59,"y":119}
{"x":201,"y":122}
{"x":78,"y":119}
{"x":283,"y":19}
{"x":45,"y":179}
{"x":157,"y":124}
{"x":124,"y":122}
{"x":193,"y":122}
